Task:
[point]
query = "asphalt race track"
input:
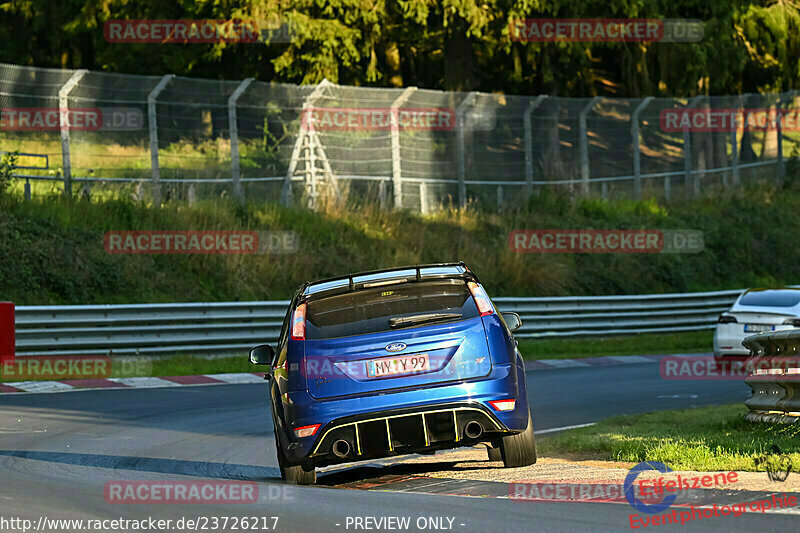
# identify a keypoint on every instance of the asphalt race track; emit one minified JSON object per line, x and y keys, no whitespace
{"x":57,"y":451}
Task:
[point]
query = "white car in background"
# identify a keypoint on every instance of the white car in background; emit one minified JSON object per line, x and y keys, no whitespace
{"x":754,"y":311}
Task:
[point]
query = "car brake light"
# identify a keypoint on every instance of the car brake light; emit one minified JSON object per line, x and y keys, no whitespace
{"x":793,"y":322}
{"x":503,"y":405}
{"x":726,"y":319}
{"x":306,"y":431}
{"x":299,"y":323}
{"x":481,"y":299}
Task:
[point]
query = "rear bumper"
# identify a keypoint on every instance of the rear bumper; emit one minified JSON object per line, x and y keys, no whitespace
{"x":405,"y":431}
{"x":728,"y":338}
{"x":393,"y":424}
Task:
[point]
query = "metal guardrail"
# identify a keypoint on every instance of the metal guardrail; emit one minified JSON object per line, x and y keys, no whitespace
{"x":775,"y":380}
{"x":153,"y":329}
{"x":601,"y":315}
{"x":150,"y":329}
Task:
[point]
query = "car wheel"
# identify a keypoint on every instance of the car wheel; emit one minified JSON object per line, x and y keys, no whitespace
{"x":494,"y":453}
{"x":520,"y":449}
{"x":281,"y":460}
{"x":293,"y":473}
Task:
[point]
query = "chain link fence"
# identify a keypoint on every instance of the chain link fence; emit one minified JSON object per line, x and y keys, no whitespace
{"x":170,"y":138}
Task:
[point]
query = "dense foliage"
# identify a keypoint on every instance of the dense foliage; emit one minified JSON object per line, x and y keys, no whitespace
{"x":749,"y":45}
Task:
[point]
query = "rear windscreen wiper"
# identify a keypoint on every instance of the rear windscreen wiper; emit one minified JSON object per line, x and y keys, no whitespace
{"x":420,"y":319}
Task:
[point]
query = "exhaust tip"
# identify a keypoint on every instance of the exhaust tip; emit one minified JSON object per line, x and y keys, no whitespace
{"x":341,"y":448}
{"x":473,"y":429}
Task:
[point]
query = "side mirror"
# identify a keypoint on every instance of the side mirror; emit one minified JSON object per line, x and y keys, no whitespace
{"x":513,"y":321}
{"x":262,"y":355}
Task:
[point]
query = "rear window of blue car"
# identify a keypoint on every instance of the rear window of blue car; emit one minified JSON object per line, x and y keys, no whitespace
{"x":370,"y":311}
{"x":774,"y":298}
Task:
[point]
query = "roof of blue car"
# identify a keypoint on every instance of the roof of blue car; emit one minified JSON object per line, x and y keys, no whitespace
{"x":418,"y":272}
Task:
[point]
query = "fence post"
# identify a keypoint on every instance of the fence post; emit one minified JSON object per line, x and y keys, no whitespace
{"x":499,"y":198}
{"x":529,"y":143}
{"x":461,"y":120}
{"x":397,"y":175}
{"x":687,"y":152}
{"x":63,"y":120}
{"x":637,"y":160}
{"x":151,"y":117}
{"x":382,"y":194}
{"x":423,"y":198}
{"x":779,"y":127}
{"x":238,"y":191}
{"x":735,"y":142}
{"x":584,"y":144}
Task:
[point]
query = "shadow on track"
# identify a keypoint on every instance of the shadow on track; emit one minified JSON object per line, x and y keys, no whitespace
{"x":148,"y":464}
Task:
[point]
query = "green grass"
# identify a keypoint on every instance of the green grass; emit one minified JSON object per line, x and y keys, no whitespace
{"x":52,"y":251}
{"x":704,"y":439}
{"x":642,"y":344}
{"x":187,"y":365}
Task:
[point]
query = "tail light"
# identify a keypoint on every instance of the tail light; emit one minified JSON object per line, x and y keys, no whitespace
{"x":481,"y":299}
{"x":306,"y":431}
{"x":726,"y":319}
{"x":793,"y":322}
{"x":503,"y":405}
{"x":299,"y":323}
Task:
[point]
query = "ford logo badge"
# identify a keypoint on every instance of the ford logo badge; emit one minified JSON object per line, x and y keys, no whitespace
{"x":396,"y":347}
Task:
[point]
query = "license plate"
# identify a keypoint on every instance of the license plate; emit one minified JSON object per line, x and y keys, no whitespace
{"x":394,"y":366}
{"x":757,"y":328}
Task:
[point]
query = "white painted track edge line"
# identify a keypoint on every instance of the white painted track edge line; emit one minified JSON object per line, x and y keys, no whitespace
{"x":563,"y":428}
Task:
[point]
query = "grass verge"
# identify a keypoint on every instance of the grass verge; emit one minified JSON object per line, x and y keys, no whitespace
{"x":703,"y":439}
{"x":642,"y":344}
{"x":53,"y":252}
{"x":188,"y":365}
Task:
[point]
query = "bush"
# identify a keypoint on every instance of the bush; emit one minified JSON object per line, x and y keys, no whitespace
{"x":8,"y":162}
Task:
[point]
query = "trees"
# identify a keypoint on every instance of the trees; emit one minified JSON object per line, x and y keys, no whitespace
{"x":749,"y":45}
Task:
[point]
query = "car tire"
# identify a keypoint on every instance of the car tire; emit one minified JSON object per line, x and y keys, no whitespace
{"x":494,"y":453}
{"x":293,"y":473}
{"x":520,"y":449}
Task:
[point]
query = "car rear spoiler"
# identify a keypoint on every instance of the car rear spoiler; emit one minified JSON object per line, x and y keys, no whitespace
{"x":461,"y":271}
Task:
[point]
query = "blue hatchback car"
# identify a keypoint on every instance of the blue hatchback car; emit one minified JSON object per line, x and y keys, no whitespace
{"x":392,"y":362}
